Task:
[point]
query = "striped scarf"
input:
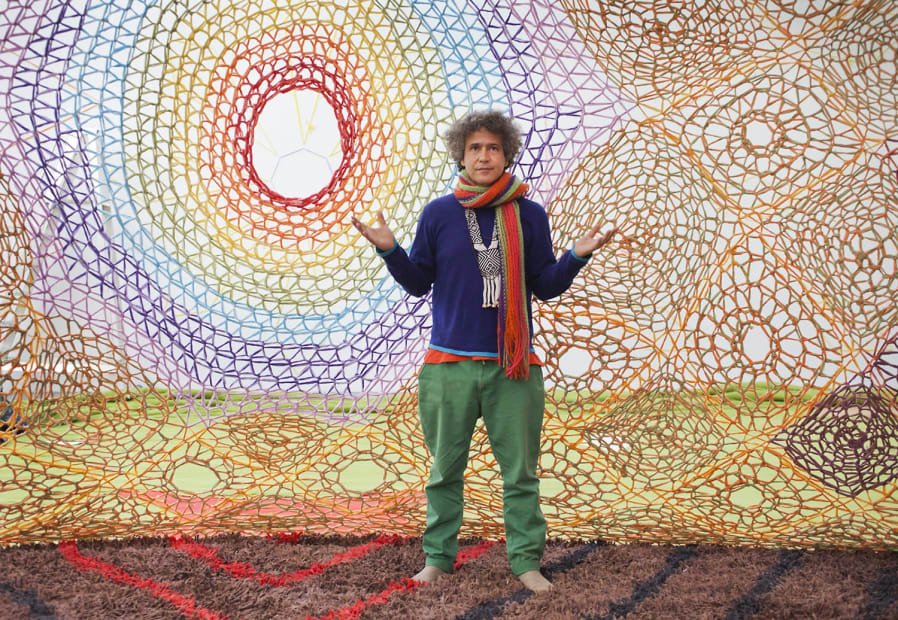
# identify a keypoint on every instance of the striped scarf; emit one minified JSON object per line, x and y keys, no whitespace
{"x":514,"y":325}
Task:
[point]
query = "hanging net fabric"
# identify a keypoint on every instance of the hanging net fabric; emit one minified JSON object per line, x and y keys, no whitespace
{"x":194,"y":338}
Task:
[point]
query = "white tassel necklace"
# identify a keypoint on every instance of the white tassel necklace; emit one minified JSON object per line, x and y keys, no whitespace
{"x":489,"y":260}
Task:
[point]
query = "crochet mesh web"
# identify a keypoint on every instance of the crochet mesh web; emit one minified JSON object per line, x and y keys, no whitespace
{"x":193,"y":342}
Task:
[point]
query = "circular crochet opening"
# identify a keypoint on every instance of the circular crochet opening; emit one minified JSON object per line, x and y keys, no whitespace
{"x":296,"y":145}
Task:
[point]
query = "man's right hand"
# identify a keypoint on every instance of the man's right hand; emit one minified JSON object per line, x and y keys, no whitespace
{"x":381,"y":235}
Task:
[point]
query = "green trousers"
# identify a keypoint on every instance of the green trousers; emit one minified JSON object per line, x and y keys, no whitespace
{"x":451,"y":396}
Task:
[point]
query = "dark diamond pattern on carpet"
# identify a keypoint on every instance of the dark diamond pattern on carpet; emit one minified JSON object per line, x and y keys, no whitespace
{"x":495,"y":607}
{"x":748,"y":605}
{"x":882,"y":594}
{"x":650,"y":587}
{"x":28,"y":600}
{"x":591,"y":579}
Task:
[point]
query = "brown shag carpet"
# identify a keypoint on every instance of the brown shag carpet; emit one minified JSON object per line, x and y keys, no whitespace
{"x":294,"y":576}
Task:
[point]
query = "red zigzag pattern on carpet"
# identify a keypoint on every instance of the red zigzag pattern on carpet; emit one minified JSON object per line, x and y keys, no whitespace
{"x":242,"y":570}
{"x":184,"y":604}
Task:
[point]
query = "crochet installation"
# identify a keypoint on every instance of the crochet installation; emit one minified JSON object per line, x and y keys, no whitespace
{"x":194,"y":339}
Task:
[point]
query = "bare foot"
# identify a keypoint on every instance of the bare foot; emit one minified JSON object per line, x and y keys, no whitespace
{"x":429,"y":574}
{"x":533,"y":580}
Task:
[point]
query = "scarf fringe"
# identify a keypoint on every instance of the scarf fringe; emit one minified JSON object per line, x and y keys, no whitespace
{"x":515,"y":344}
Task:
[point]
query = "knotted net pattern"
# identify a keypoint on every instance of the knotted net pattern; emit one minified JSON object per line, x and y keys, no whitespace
{"x":186,"y":347}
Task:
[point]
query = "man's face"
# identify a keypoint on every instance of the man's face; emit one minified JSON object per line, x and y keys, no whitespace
{"x":484,"y":157}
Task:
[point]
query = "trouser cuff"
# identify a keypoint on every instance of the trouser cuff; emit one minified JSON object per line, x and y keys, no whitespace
{"x":447,"y":566}
{"x":519,"y":567}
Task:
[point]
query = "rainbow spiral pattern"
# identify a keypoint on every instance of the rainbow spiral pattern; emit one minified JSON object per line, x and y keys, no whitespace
{"x":187,"y":348}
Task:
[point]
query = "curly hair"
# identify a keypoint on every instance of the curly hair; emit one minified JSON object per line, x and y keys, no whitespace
{"x":494,"y":122}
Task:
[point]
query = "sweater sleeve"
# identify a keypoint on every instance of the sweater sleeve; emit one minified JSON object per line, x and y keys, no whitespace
{"x":547,"y":277}
{"x":414,"y":271}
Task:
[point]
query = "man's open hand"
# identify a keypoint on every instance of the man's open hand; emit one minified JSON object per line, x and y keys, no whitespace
{"x":381,"y":235}
{"x":593,"y":240}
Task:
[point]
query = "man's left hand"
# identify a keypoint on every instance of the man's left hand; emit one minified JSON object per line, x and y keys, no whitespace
{"x":593,"y":240}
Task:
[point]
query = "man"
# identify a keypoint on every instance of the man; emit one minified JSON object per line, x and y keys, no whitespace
{"x":484,"y":250}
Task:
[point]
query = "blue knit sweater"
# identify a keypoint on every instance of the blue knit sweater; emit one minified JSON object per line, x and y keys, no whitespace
{"x":442,"y":257}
